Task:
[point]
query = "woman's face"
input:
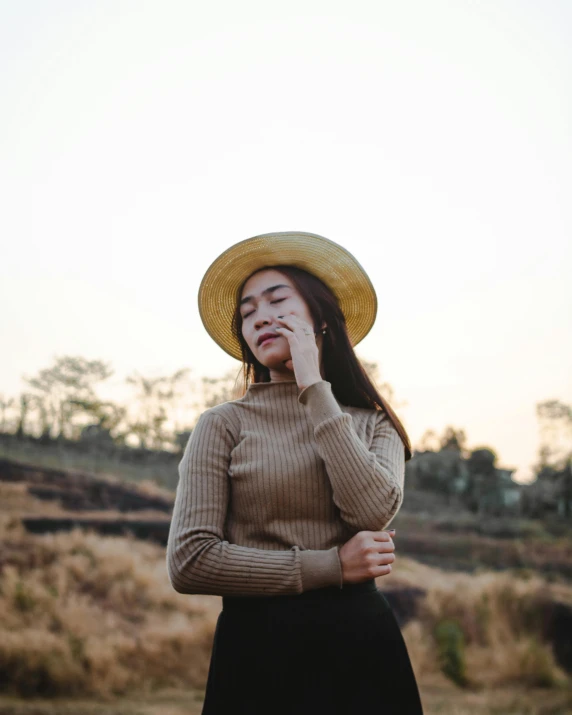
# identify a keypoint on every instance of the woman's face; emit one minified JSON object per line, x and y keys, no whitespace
{"x":265,"y":296}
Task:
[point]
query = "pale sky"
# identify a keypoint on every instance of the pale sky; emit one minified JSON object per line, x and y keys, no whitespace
{"x":138,"y":140}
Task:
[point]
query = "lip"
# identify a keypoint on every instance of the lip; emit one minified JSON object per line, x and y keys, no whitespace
{"x":268,"y":340}
{"x":264,"y":336}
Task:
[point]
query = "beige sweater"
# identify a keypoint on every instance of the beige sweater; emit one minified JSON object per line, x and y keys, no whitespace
{"x":273,"y":483}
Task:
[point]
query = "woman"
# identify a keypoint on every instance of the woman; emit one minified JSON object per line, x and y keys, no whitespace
{"x":285,"y":493}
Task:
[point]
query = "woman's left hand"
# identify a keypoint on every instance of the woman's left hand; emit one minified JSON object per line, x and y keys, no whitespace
{"x":303,"y":349}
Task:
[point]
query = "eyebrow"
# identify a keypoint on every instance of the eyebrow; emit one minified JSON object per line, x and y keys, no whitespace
{"x":248,"y":298}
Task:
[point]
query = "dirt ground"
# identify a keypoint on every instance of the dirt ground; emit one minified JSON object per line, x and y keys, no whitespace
{"x":436,"y":700}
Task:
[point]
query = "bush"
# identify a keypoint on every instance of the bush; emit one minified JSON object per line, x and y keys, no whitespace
{"x":451,"y":650}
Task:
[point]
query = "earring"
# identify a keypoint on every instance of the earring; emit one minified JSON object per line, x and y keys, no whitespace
{"x":323,"y":332}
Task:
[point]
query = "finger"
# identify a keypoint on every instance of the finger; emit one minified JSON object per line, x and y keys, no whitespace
{"x":382,"y":545}
{"x":286,"y":325}
{"x":381,"y":536}
{"x":383,"y":570}
{"x":385,"y":547}
{"x":385,"y":559}
{"x":293,"y":321}
{"x":285,"y":330}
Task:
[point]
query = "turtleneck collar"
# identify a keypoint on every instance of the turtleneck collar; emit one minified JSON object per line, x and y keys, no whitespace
{"x":259,"y":385}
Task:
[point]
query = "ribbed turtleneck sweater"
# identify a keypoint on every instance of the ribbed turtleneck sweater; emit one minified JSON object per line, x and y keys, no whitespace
{"x":273,"y":483}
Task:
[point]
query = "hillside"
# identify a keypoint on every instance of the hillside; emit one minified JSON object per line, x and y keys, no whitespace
{"x":427,"y":529}
{"x":93,"y":616}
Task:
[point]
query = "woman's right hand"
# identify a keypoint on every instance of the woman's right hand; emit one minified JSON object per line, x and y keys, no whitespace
{"x":367,"y":555}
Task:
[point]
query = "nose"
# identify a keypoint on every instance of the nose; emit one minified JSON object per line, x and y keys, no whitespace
{"x":262,"y":319}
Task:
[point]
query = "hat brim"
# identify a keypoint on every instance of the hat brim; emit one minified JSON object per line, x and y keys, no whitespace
{"x":327,"y":260}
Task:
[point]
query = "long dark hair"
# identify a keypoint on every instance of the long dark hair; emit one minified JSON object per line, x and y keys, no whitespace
{"x":351,"y":385}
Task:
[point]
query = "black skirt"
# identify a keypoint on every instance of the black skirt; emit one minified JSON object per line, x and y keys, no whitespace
{"x":327,"y":651}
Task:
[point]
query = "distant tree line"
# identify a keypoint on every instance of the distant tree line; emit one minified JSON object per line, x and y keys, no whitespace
{"x":61,"y":405}
{"x":471,"y":477}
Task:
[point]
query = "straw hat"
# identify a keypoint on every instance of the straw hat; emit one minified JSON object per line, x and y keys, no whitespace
{"x":329,"y":261}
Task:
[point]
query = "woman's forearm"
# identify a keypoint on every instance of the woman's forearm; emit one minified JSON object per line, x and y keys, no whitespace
{"x":367,"y":483}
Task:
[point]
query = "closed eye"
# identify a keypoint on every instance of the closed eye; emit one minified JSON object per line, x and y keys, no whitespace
{"x":279,"y":300}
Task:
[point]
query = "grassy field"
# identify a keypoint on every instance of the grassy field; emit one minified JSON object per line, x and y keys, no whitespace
{"x":90,"y":625}
{"x":437,"y":700}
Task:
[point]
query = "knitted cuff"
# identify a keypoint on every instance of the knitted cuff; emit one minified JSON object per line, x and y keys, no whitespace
{"x":319,"y":401}
{"x":321,"y":568}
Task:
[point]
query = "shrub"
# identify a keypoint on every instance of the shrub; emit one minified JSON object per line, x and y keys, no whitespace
{"x":451,"y":650}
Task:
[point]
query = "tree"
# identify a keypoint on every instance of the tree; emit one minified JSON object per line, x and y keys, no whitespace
{"x":5,"y":404}
{"x":108,"y":416}
{"x":454,"y":439}
{"x":61,"y":390}
{"x":483,"y":492}
{"x":27,"y":402}
{"x":438,"y":472}
{"x":154,"y":396}
{"x":555,"y":420}
{"x":429,"y":442}
{"x":216,"y":390}
{"x":565,"y":491}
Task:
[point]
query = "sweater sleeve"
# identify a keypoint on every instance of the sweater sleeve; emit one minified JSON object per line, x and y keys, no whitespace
{"x":200,"y":560}
{"x":367,"y":483}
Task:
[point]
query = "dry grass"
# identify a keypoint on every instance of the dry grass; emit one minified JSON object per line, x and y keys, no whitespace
{"x":93,"y":616}
{"x":500,"y":616}
{"x":465,"y":542}
{"x":84,"y":614}
{"x":15,"y":500}
{"x":437,"y":700}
